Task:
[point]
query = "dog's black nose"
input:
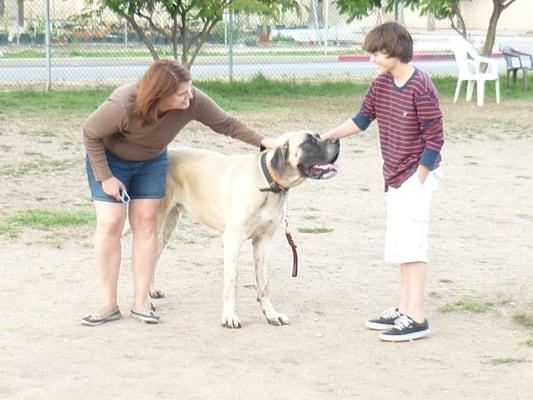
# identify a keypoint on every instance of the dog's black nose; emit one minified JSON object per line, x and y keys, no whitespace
{"x":333,"y":141}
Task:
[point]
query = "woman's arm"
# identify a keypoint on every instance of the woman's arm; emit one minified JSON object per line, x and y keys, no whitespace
{"x":210,"y":114}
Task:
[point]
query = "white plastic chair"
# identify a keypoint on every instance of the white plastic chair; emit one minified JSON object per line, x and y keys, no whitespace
{"x":469,"y":64}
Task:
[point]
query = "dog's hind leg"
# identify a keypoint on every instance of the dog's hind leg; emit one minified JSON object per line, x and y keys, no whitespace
{"x":166,"y":227}
{"x":261,"y":246}
{"x":232,"y":246}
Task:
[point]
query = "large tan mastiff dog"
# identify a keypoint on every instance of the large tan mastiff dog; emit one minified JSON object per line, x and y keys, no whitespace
{"x":243,"y":197}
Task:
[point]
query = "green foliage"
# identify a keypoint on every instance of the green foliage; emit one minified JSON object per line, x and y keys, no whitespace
{"x":193,"y":20}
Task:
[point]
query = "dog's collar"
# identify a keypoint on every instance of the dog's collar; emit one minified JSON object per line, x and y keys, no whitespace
{"x":271,"y":177}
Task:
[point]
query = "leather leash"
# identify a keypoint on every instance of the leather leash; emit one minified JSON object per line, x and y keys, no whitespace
{"x":274,"y":186}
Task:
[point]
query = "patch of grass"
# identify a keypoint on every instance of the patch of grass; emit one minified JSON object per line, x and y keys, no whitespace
{"x":526,"y":320}
{"x":9,"y":230}
{"x":506,"y":360}
{"x":322,"y":229}
{"x":43,"y":166}
{"x":252,"y":94}
{"x":364,"y":189}
{"x":46,"y":219}
{"x":310,"y":217}
{"x":467,"y":304}
{"x":54,"y":102}
{"x":529,"y":343}
{"x":445,"y":281}
{"x":32,"y":153}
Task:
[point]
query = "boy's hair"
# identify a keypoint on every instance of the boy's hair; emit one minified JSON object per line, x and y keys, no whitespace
{"x":161,"y":80}
{"x":392,"y":39}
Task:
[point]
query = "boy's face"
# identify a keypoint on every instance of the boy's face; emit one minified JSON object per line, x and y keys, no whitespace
{"x":383,"y":62}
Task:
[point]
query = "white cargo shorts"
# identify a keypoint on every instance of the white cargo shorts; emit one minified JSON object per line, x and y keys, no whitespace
{"x":406,"y":236}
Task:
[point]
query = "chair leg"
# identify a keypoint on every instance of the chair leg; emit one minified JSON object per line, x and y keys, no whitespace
{"x":497,"y":91}
{"x":526,"y":77}
{"x":457,"y":90}
{"x":480,"y":92}
{"x":469,"y":90}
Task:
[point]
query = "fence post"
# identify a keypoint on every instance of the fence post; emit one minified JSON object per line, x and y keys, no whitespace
{"x":47,"y":45}
{"x":125,"y":32}
{"x":230,"y":43}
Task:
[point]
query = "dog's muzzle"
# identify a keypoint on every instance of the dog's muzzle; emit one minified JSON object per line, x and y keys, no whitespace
{"x":328,"y":169}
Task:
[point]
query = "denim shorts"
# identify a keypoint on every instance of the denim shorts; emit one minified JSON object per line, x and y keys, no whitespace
{"x":142,"y":179}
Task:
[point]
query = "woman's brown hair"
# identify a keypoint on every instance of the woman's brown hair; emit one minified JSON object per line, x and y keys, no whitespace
{"x":392,"y":39}
{"x":160,"y":80}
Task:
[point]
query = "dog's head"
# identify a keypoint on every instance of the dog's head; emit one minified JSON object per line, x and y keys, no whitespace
{"x":305,"y":155}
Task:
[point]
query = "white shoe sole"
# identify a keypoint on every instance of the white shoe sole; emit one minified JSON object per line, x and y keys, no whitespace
{"x":405,"y":338}
{"x":378,"y":327}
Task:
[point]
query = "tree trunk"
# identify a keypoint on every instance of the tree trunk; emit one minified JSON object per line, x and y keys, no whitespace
{"x":491,"y":31}
{"x":186,"y":45}
{"x":175,"y":37}
{"x":20,"y":14}
{"x":2,"y":8}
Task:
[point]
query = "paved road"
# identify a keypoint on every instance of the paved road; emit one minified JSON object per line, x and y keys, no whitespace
{"x":107,"y":70}
{"x":85,"y":73}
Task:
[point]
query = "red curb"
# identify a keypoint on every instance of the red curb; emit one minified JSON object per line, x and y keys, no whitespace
{"x":416,"y":57}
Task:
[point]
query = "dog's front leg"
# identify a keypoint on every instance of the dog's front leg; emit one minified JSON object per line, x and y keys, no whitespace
{"x":232,"y":247}
{"x":261,"y":247}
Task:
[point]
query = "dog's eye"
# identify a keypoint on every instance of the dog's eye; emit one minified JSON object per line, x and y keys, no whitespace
{"x":310,"y":139}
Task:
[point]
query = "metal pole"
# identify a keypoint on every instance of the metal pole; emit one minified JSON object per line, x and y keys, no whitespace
{"x":230,"y":44}
{"x":326,"y":25}
{"x":125,"y":33}
{"x":396,"y":10}
{"x":47,"y":45}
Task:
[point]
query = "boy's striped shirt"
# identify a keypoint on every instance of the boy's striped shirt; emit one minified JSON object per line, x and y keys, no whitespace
{"x":409,"y":123}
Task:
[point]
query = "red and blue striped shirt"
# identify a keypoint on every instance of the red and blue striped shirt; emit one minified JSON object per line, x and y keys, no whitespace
{"x":409,"y":124}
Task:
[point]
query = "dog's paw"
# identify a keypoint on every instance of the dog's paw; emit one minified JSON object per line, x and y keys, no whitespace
{"x":277,"y":319}
{"x":231,"y":321}
{"x":157,"y":293}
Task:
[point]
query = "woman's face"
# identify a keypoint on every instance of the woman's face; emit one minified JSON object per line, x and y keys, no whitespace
{"x":181,"y":100}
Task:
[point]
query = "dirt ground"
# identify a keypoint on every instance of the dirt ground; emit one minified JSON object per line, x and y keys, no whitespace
{"x":481,"y":249}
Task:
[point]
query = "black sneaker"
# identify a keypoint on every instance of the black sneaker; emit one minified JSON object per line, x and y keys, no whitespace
{"x":406,"y":329}
{"x":385,"y":321}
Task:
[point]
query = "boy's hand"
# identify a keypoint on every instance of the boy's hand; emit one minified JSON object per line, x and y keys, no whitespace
{"x":422,"y":173}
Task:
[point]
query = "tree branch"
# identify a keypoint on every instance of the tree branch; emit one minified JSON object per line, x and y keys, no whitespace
{"x":153,"y":25}
{"x":504,"y":5}
{"x":140,"y":32}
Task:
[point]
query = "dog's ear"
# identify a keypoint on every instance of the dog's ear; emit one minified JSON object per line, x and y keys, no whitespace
{"x":279,"y":158}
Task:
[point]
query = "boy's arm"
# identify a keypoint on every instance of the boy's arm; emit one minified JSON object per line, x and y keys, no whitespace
{"x":430,"y":119}
{"x":347,"y":128}
{"x":359,"y":122}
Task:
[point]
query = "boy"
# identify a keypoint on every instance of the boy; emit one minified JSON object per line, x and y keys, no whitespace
{"x":404,"y":102}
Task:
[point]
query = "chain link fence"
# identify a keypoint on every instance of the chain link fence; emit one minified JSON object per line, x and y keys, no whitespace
{"x":88,"y":48}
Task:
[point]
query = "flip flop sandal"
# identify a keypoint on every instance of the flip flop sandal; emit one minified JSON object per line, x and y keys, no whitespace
{"x":148,"y":317}
{"x":96,"y":319}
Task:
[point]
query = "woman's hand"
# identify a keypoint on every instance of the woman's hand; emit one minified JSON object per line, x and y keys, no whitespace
{"x":112,"y":186}
{"x":270,"y":143}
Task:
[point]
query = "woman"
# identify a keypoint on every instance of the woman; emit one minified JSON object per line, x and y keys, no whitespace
{"x":126,"y":140}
